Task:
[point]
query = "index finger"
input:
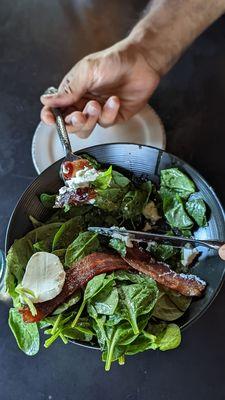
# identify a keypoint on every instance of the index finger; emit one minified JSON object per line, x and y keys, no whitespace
{"x":47,"y":116}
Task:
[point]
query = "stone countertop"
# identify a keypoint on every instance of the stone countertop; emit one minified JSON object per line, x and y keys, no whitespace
{"x":39,"y":41}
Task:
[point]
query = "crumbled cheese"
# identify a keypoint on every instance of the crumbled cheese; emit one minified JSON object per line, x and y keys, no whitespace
{"x":83,"y":178}
{"x":125,"y":238}
{"x":147,"y":227}
{"x":150,"y":212}
{"x":188,"y":255}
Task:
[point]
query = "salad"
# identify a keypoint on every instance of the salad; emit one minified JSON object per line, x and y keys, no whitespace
{"x":79,"y":285}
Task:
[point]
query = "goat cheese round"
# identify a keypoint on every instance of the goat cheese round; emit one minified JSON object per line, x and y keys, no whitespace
{"x":44,"y":276}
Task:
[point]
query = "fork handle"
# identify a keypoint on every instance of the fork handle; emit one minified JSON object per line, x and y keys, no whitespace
{"x":60,"y":125}
{"x":62,"y":132}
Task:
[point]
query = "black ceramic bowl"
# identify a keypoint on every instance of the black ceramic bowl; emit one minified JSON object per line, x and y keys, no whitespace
{"x":137,"y":160}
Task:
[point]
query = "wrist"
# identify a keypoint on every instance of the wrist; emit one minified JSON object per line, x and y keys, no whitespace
{"x":150,"y":44}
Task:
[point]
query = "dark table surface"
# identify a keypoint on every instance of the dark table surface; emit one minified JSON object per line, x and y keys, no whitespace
{"x":39,"y":41}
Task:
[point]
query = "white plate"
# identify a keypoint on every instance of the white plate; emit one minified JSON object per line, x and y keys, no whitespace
{"x":144,"y":128}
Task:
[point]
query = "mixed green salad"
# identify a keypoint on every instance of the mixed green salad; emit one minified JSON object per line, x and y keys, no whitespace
{"x":124,"y":312}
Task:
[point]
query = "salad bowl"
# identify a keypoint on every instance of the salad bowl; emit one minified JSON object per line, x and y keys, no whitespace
{"x":137,"y":161}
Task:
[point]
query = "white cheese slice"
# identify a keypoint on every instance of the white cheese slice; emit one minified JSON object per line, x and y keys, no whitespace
{"x":44,"y":276}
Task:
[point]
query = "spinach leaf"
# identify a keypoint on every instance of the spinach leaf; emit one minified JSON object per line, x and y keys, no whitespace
{"x":48,"y":200}
{"x":67,"y":233}
{"x":174,"y":211}
{"x":196,"y":208}
{"x":98,"y":325}
{"x":35,"y":222}
{"x":84,"y":244}
{"x":147,"y":187}
{"x":109,"y":199}
{"x":93,"y":287}
{"x":104,"y":179}
{"x":61,"y":254}
{"x":26,"y":335}
{"x":135,"y":299}
{"x":113,"y":350}
{"x":104,"y":302}
{"x":117,"y":339}
{"x":42,"y":245}
{"x":98,"y":217}
{"x":162,"y":252}
{"x":118,"y":245}
{"x":170,"y":305}
{"x":143,"y":342}
{"x":21,"y":251}
{"x":177,"y":181}
{"x":61,"y":327}
{"x":133,"y":203}
{"x":82,"y":331}
{"x":119,"y":180}
{"x":170,"y":338}
{"x":69,"y":303}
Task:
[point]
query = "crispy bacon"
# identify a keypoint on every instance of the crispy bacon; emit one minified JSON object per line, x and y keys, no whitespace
{"x":76,"y":277}
{"x":188,"y":285}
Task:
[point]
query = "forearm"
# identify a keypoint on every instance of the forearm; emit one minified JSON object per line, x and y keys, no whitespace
{"x":170,"y":26}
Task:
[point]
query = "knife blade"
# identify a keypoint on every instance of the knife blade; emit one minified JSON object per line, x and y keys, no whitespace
{"x":147,"y":237}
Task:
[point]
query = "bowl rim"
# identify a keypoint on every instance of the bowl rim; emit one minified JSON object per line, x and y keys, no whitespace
{"x":85,"y":150}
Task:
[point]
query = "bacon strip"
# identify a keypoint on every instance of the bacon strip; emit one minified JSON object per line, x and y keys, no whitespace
{"x":188,"y":285}
{"x":76,"y":277}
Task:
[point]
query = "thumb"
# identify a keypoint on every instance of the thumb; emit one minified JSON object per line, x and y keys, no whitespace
{"x":222,"y":252}
{"x":57,"y":99}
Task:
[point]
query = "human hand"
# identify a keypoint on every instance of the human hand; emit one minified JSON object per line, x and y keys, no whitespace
{"x":222,"y":252}
{"x":105,"y":87}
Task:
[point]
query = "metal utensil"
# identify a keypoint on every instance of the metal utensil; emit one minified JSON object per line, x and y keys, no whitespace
{"x":137,"y":236}
{"x":63,"y":134}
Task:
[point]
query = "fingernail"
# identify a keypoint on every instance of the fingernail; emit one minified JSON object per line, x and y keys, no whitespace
{"x":73,"y":120}
{"x":91,"y":110}
{"x":111,"y":103}
{"x":48,"y":96}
